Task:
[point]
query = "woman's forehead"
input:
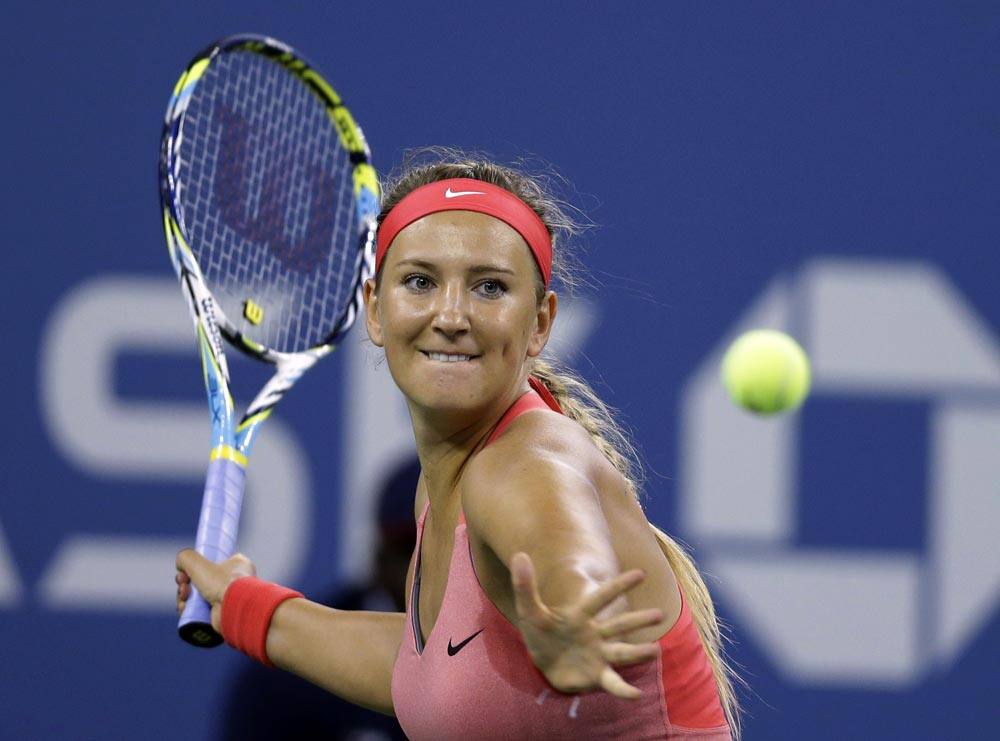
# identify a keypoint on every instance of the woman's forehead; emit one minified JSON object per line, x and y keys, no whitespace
{"x":462,"y":236}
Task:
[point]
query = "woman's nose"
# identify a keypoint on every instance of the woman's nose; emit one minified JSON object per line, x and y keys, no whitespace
{"x":451,"y":312}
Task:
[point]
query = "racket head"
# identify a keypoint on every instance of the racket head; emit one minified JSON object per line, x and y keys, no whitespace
{"x":268,"y":197}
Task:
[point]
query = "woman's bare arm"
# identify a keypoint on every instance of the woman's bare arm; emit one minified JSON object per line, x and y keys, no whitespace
{"x":350,"y":653}
{"x":538,"y":500}
{"x":536,"y":507}
{"x":347,"y":652}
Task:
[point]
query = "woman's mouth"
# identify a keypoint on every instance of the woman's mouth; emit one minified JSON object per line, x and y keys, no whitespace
{"x":447,"y":357}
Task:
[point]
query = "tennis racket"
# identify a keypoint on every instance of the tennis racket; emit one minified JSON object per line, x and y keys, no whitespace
{"x":269,"y":202}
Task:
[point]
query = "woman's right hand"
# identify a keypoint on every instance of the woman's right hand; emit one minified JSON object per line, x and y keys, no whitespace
{"x":211,"y":579}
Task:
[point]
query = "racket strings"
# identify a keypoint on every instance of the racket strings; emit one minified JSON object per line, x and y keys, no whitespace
{"x":268,"y":200}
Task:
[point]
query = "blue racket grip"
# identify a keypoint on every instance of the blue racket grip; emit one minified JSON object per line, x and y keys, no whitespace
{"x":216,"y":541}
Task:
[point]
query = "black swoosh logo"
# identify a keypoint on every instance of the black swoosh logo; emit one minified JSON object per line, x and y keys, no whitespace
{"x":452,"y":650}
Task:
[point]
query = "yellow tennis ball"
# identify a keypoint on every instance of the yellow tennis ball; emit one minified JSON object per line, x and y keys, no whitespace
{"x":766,"y":371}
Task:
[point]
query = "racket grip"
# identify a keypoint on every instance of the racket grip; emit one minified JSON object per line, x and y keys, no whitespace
{"x":216,"y":541}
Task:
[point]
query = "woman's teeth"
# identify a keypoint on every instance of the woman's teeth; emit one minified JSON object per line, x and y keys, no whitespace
{"x":446,"y":358}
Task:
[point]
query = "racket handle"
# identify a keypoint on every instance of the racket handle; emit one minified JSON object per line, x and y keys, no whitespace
{"x":216,"y":541}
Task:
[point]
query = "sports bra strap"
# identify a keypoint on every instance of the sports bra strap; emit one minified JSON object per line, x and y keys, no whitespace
{"x":543,"y":391}
{"x":528,"y":401}
{"x":536,"y":398}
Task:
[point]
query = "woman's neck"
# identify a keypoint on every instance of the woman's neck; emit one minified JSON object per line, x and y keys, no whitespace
{"x":446,"y":442}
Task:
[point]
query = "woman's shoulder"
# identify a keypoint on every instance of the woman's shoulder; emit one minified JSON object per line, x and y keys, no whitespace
{"x":539,"y":448}
{"x":539,"y":434}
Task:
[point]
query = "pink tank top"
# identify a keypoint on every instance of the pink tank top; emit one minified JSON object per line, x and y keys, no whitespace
{"x":474,"y":679}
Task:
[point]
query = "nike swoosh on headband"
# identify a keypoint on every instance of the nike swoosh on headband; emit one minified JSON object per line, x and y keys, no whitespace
{"x":456,"y":193}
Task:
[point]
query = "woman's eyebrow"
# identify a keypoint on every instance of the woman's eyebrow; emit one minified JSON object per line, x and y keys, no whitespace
{"x":477,"y":269}
{"x":418,"y":263}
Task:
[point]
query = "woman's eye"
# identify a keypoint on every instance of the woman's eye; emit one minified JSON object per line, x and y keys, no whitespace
{"x":492,"y":288}
{"x":417,"y":282}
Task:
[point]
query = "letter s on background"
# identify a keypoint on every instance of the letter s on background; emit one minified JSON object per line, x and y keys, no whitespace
{"x":111,"y":438}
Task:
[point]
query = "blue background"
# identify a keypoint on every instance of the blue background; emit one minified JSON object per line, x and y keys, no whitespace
{"x":714,"y":145}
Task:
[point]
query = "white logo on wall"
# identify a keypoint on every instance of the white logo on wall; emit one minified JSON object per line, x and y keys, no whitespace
{"x":110,"y":438}
{"x":853,"y":617}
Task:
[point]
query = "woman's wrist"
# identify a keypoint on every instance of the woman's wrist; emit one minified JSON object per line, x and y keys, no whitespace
{"x":248,"y":606}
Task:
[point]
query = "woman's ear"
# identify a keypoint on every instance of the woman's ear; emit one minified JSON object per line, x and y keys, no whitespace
{"x":372,"y":322}
{"x":544,"y":319}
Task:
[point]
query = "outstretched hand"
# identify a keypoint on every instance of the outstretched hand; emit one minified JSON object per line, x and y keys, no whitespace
{"x":571,"y":645}
{"x":211,"y":579}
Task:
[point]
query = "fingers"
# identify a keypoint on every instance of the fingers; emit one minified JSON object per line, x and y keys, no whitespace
{"x":612,"y":682}
{"x":629,"y":621}
{"x":211,"y":578}
{"x":625,"y":654}
{"x":183,"y":589}
{"x":601,"y":597}
{"x":190,"y":562}
{"x":527,"y":599}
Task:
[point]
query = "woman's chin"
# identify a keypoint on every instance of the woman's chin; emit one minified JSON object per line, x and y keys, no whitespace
{"x":451,"y":396}
{"x":451,"y":400}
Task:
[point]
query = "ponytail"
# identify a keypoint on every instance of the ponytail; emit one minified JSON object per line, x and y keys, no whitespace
{"x":703,"y":612}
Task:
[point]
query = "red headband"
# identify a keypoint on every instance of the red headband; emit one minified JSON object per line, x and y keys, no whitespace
{"x":465,"y":194}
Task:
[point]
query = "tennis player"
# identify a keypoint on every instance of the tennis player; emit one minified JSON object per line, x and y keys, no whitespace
{"x":541,"y":603}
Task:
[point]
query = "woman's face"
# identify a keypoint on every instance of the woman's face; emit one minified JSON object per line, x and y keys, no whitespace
{"x":457,"y":311}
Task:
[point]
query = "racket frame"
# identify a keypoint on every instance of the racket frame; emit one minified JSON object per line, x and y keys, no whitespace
{"x":232,"y":441}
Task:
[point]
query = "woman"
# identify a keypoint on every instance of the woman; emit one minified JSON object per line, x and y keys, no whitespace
{"x":541,"y":602}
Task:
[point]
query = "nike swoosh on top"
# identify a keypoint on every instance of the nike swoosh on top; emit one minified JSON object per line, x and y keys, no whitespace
{"x":452,"y":650}
{"x":456,"y":193}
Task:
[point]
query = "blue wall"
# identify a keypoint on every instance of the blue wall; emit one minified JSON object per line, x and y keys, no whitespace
{"x":829,"y":169}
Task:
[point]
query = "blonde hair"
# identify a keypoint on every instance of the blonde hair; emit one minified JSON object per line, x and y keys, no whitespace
{"x":577,"y":399}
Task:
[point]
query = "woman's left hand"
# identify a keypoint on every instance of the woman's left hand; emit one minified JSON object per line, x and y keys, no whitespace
{"x":571,"y":646}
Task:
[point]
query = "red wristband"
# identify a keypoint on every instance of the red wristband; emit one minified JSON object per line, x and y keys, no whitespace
{"x":247,"y":608}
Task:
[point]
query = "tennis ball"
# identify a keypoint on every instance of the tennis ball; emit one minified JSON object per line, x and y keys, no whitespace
{"x":766,"y":371}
